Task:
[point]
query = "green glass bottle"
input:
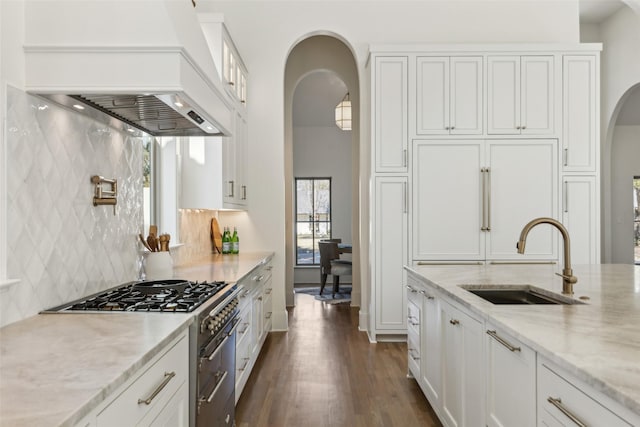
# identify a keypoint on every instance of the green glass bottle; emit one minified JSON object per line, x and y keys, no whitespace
{"x":235,"y":242}
{"x":226,"y":241}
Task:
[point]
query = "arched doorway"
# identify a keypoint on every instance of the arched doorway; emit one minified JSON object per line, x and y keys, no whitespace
{"x":314,"y":60}
{"x":623,"y":138}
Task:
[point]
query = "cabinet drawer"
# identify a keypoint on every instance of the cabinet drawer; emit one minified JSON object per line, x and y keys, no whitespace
{"x":413,"y":354}
{"x":413,"y":293}
{"x":267,"y":308}
{"x":244,"y":327}
{"x":570,"y":401}
{"x":244,"y":298}
{"x":164,"y":376}
{"x":413,"y":318}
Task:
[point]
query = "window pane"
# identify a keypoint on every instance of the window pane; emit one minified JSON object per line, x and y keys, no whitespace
{"x":304,"y":199}
{"x":146,"y":181}
{"x":323,"y":199}
{"x":304,"y":244}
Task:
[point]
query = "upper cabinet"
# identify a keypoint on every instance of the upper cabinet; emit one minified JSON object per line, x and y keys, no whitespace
{"x":579,"y":106}
{"x":214,"y":171}
{"x":234,"y":72}
{"x":520,"y":95}
{"x":389,"y":92}
{"x":449,"y":95}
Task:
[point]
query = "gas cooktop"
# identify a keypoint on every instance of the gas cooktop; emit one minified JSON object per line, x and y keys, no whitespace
{"x":150,"y":296}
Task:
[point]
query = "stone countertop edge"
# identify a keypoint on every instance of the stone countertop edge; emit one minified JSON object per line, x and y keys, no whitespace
{"x":486,"y":311}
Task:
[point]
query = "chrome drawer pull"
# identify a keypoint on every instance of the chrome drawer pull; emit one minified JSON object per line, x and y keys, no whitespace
{"x":412,"y":356}
{"x":413,"y":291}
{"x":425,"y":294}
{"x":246,"y":362}
{"x":167,"y":378}
{"x":502,"y":341}
{"x":558,"y":404}
{"x":454,"y":322}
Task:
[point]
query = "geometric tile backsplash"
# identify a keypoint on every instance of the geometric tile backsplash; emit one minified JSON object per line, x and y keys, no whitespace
{"x":59,"y":245}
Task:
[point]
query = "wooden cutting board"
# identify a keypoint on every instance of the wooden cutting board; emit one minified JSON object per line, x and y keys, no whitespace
{"x":216,"y":236}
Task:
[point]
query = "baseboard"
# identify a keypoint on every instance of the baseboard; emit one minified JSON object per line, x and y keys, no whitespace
{"x":280,"y":322}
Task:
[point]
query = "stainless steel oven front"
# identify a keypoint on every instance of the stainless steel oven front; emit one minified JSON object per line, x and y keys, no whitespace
{"x":214,"y":376}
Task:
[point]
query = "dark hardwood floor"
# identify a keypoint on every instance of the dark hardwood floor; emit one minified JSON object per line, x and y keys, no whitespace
{"x":324,"y":372}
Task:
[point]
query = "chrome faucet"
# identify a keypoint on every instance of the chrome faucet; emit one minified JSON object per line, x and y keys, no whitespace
{"x":568,"y":279}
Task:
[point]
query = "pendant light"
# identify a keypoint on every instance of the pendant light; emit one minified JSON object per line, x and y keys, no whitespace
{"x":343,"y":113}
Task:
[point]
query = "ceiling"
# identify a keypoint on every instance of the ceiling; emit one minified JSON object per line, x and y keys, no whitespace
{"x":596,"y":11}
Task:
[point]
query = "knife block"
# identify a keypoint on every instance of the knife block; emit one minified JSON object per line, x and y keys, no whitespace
{"x":158,"y":266}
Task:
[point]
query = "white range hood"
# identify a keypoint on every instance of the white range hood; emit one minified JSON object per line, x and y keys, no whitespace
{"x":120,"y":53}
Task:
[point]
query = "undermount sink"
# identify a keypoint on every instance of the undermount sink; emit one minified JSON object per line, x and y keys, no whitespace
{"x":518,"y":294}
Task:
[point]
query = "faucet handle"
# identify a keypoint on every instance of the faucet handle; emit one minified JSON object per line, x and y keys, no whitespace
{"x":570,"y":277}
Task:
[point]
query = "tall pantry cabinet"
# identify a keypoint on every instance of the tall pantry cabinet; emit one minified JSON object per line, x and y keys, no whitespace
{"x":470,"y":142}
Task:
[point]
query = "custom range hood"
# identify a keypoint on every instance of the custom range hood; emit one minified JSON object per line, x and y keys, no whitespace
{"x":145,"y":63}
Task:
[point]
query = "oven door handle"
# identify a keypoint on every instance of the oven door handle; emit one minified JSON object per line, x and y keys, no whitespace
{"x":215,"y":390}
{"x":236,"y":322}
{"x":213,"y":393}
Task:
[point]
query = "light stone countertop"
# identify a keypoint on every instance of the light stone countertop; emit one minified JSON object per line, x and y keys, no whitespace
{"x":598,"y":342}
{"x":56,"y":367}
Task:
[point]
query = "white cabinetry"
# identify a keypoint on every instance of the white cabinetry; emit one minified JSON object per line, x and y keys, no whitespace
{"x":157,"y":395}
{"x":389,"y":102}
{"x":431,"y":351}
{"x":449,"y":95}
{"x":564,"y":401}
{"x":215,"y":176}
{"x":581,"y":216}
{"x":462,"y":380}
{"x":520,"y":95}
{"x":580,"y":113}
{"x":391,"y":230}
{"x":235,"y":165}
{"x":414,"y":335}
{"x":510,"y":380}
{"x":255,"y":321}
{"x":484,"y":192}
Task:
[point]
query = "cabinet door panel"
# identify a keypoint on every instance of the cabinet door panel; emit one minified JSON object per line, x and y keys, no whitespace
{"x":432,"y":95}
{"x":580,"y":103}
{"x":508,"y":371}
{"x":580,"y":217}
{"x":431,"y":348}
{"x":447,"y":200}
{"x":462,"y":380}
{"x":524,"y":180}
{"x":391,"y":231}
{"x":466,"y":96}
{"x":503,"y":95}
{"x":390,"y":115}
{"x":537,"y":95}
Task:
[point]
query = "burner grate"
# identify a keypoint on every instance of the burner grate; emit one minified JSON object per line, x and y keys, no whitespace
{"x":135,"y":297}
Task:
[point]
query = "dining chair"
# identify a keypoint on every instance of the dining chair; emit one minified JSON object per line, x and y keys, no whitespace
{"x":330,"y":263}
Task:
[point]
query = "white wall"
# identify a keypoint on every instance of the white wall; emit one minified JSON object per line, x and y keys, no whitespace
{"x":625,"y":156}
{"x":265,"y":32}
{"x":325,"y":152}
{"x":620,"y":66}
